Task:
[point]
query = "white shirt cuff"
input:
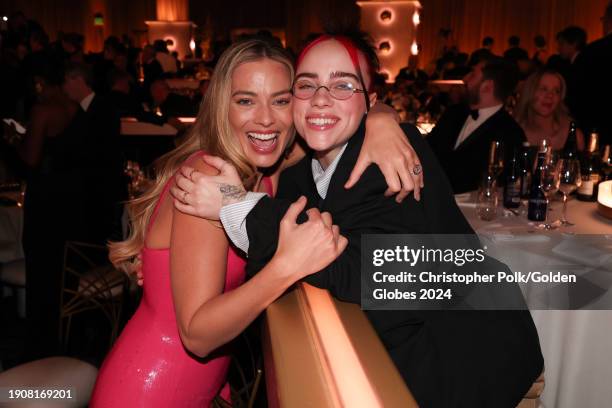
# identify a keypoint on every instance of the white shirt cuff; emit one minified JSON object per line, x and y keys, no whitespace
{"x":233,"y":218}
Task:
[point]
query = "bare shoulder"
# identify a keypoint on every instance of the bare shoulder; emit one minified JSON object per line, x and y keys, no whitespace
{"x":197,"y":162}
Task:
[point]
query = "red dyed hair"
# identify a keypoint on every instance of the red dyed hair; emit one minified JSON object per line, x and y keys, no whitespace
{"x":348,"y":45}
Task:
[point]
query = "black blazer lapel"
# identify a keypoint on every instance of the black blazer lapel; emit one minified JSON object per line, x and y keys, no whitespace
{"x":344,"y":168}
{"x":477,"y":134}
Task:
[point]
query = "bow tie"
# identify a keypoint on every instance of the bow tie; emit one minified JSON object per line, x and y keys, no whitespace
{"x":474,"y":114}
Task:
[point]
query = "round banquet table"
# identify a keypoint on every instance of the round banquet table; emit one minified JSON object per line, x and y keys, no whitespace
{"x":577,"y":344}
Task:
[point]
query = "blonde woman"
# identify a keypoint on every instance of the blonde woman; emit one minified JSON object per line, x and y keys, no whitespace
{"x":194,"y":296}
{"x":541,"y":111}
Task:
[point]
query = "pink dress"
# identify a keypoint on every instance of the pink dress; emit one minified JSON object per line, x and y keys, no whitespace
{"x":148,"y":365}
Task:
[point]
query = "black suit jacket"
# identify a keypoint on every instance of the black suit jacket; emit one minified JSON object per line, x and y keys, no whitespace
{"x":445,"y":357}
{"x":96,"y":167}
{"x":516,"y":54}
{"x":593,"y":87}
{"x":466,"y":165}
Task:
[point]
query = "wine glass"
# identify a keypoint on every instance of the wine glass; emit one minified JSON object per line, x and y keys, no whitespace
{"x":550,"y":177}
{"x":569,"y":180}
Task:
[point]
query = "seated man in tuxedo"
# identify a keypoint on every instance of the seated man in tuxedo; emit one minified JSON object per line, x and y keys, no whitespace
{"x":445,"y":357}
{"x":463,"y":135}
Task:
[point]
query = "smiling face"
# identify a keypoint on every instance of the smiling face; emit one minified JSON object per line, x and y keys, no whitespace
{"x":547,"y":95}
{"x":325,"y":123}
{"x":260,"y":110}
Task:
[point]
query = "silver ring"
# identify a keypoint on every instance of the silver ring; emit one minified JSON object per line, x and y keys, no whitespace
{"x":185,"y":196}
{"x":417,"y":170}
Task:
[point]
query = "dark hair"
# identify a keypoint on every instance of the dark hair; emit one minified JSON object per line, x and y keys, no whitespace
{"x":116,"y":75}
{"x":573,"y":35}
{"x":504,"y":75}
{"x":79,"y":70}
{"x":539,"y":41}
{"x":360,"y":39}
{"x":487,"y":41}
{"x":74,"y":39}
{"x":514,"y":41}
{"x":160,"y":46}
{"x":40,"y":37}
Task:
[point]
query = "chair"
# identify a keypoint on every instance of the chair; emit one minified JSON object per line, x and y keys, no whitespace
{"x":60,"y":373}
{"x":12,"y":276}
{"x":90,"y":283}
{"x":532,"y":398}
{"x":245,"y":378}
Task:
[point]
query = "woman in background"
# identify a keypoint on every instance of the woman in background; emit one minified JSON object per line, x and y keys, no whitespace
{"x":541,"y":111}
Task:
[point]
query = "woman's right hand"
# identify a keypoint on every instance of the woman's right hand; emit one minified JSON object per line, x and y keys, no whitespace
{"x":307,"y":248}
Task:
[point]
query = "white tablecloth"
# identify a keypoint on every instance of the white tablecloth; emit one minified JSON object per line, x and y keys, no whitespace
{"x":577,"y":345}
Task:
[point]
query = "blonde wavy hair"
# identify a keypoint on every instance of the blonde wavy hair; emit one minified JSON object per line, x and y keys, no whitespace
{"x":211,"y":133}
{"x":524,"y":113}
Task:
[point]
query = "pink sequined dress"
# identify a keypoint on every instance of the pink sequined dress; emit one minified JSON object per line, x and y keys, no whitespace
{"x":148,"y":365}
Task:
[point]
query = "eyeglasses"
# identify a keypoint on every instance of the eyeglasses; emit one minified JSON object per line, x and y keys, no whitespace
{"x":340,"y":90}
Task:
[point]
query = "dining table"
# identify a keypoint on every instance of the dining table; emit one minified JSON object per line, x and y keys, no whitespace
{"x":576,"y":344}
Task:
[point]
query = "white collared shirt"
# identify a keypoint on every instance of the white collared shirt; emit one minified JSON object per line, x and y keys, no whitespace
{"x":471,"y":125}
{"x":87,"y":101}
{"x":233,"y":216}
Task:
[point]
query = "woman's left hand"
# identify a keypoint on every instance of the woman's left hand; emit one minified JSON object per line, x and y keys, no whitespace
{"x":387,"y":146}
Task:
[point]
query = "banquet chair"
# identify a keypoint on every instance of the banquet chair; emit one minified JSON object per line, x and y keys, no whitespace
{"x":57,"y":373}
{"x":532,"y":398}
{"x":90,"y":283}
{"x":244,"y":375}
{"x":12,"y":277}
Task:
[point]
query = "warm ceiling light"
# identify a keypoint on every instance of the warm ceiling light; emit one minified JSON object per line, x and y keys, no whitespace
{"x":192,"y":45}
{"x":386,"y":16}
{"x":414,"y":48}
{"x":4,"y":18}
{"x":385,"y":47}
{"x":416,"y":18}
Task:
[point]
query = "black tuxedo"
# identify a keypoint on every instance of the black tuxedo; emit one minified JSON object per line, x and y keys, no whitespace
{"x":466,"y":165}
{"x":446,"y":358}
{"x":593,"y":87}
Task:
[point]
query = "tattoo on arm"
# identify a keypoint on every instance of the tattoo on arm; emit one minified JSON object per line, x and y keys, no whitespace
{"x":231,"y":193}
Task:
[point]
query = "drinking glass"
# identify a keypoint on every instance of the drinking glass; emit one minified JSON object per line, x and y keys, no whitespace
{"x":568,"y":180}
{"x":487,"y":199}
{"x":551,"y":175}
{"x":496,"y":159}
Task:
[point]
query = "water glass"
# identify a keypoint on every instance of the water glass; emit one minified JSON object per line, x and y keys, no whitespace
{"x":487,"y":203}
